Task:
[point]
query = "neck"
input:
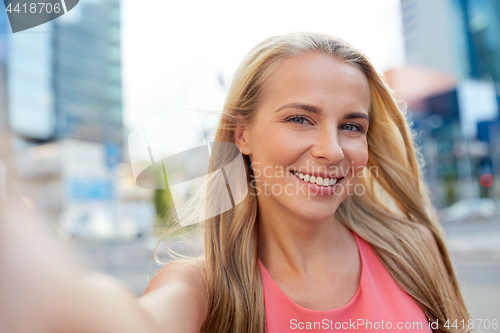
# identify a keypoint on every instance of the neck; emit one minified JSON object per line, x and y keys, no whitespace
{"x":291,"y":243}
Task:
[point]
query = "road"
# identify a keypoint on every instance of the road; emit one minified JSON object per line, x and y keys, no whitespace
{"x":475,"y":251}
{"x":474,"y":247}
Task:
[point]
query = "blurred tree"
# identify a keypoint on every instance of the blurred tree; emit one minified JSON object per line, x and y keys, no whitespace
{"x":450,"y":189}
{"x":164,"y":206}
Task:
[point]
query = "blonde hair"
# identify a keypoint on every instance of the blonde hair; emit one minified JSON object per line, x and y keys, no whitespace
{"x":386,"y":215}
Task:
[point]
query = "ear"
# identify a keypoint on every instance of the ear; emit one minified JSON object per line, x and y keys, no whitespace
{"x":241,"y":138}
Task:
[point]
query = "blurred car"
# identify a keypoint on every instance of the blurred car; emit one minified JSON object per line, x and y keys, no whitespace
{"x":98,"y":224}
{"x":477,"y":208}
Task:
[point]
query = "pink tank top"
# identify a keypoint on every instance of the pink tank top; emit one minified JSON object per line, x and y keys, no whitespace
{"x":378,"y":305}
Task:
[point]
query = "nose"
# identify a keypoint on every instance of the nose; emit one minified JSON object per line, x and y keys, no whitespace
{"x":327,"y":147}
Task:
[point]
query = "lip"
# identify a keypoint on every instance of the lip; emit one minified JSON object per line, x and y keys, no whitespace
{"x":321,"y":190}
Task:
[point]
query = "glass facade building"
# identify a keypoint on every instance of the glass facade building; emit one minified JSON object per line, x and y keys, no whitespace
{"x":63,"y":78}
{"x":460,"y":37}
{"x":481,"y":28}
{"x":30,"y":78}
{"x":87,"y":72}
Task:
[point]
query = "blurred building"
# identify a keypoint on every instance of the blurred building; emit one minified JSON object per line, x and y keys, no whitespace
{"x":5,"y":143}
{"x":459,"y":37}
{"x":455,"y":96}
{"x":64,"y":77}
{"x":63,"y":107}
{"x":3,"y":75}
{"x":87,"y":73}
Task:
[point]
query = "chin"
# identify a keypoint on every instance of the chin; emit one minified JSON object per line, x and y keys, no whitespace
{"x":315,"y":214}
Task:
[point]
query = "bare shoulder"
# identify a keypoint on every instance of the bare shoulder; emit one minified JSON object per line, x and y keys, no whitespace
{"x":176,"y":296}
{"x":188,"y":272}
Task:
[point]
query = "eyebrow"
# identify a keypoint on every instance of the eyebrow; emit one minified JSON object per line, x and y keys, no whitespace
{"x":318,"y":111}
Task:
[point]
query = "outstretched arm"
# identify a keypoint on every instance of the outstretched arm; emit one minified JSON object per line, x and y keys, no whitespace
{"x":43,"y":290}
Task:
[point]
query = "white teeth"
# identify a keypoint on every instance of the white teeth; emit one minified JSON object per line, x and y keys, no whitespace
{"x":316,"y":180}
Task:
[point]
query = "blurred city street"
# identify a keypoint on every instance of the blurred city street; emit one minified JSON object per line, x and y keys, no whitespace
{"x":81,"y":95}
{"x":475,"y":250}
{"x":130,"y":261}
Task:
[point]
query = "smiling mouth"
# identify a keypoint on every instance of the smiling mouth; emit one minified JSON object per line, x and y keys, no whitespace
{"x":326,"y":182}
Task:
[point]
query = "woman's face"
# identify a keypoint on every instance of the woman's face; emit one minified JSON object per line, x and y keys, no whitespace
{"x":312,"y":122}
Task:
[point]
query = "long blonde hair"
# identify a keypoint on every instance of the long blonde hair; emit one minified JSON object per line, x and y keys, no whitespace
{"x":386,"y":215}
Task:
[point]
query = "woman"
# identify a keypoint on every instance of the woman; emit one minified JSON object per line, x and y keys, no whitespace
{"x":311,"y":105}
{"x":337,"y":227}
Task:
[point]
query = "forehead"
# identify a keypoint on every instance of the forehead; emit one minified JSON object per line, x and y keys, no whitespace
{"x":318,"y":78}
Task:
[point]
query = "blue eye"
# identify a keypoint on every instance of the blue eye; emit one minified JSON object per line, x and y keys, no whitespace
{"x":298,"y":120}
{"x":350,"y":127}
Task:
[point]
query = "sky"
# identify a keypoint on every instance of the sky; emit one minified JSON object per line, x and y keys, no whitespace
{"x":176,"y":53}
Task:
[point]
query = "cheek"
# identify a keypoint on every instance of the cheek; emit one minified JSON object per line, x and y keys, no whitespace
{"x":357,"y":156}
{"x":277,"y":147}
